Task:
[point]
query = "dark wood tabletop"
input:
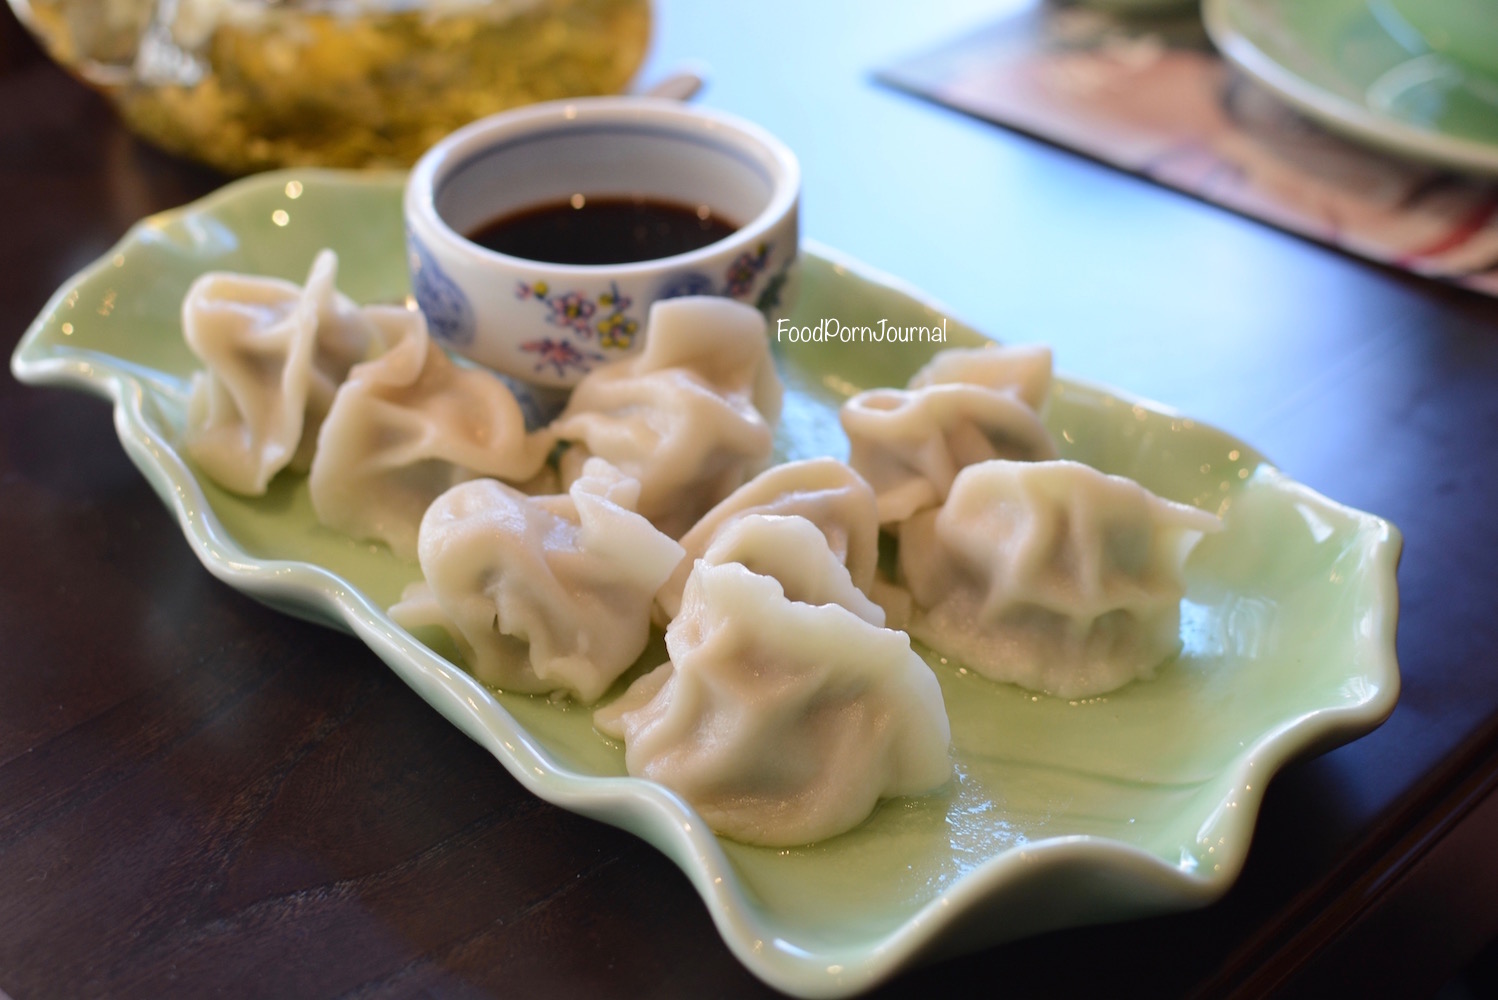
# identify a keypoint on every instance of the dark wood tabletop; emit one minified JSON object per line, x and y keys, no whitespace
{"x":199,"y":796}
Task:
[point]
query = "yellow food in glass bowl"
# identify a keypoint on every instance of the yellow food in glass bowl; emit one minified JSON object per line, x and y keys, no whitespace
{"x":247,"y":85}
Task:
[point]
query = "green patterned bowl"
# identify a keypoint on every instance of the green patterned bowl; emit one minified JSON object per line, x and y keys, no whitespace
{"x":1357,"y":68}
{"x":1466,"y":30}
{"x":1063,"y":813}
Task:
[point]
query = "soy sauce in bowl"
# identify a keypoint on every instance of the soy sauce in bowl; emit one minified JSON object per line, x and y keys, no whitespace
{"x":603,"y":230}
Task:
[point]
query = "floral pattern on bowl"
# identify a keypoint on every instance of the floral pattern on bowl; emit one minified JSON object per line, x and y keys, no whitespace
{"x":448,"y":311}
{"x":607,"y":319}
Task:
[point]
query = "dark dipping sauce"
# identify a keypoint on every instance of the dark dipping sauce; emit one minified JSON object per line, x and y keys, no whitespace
{"x":603,"y":231}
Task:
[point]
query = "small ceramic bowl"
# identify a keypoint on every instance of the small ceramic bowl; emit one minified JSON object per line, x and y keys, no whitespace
{"x":550,"y":324}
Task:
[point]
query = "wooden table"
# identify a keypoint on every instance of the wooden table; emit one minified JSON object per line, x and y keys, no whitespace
{"x":199,"y":796}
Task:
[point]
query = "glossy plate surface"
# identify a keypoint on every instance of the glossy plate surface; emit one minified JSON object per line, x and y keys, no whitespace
{"x":1357,"y":67}
{"x":1062,"y":813}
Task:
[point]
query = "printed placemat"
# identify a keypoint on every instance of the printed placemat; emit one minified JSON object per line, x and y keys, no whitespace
{"x":1151,"y":96}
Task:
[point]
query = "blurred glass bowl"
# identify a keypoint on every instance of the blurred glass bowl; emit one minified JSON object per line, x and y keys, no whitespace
{"x":247,"y":85}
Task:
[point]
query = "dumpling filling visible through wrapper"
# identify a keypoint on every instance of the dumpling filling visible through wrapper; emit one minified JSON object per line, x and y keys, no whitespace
{"x":692,"y":416}
{"x":967,"y":405}
{"x":1051,"y":575}
{"x":786,"y":711}
{"x":826,"y":492}
{"x":541,"y":594}
{"x":407,"y":426}
{"x":275,"y":353}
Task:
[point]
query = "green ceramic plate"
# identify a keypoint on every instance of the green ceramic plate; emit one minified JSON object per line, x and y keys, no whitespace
{"x":1357,"y":67}
{"x":1062,"y":813}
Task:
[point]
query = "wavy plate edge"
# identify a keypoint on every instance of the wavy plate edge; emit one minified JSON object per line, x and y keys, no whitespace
{"x":1138,"y":883}
{"x":1337,"y":113}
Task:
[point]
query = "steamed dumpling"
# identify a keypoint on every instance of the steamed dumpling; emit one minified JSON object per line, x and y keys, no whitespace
{"x":786,"y":711}
{"x":275,"y":353}
{"x":1023,"y":371}
{"x":691,"y":417}
{"x":409,"y":425}
{"x":966,"y":405}
{"x":1051,"y":575}
{"x":541,"y":594}
{"x":823,"y":490}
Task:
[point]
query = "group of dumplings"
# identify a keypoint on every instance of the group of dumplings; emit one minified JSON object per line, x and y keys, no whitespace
{"x":361,"y":399}
{"x":1027,"y":569}
{"x":792,"y":701}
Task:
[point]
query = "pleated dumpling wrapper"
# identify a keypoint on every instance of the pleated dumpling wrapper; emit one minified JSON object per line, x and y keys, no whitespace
{"x":541,"y":594}
{"x":275,"y":352}
{"x":966,"y":405}
{"x":691,"y":416}
{"x":1022,"y":370}
{"x":1051,"y":575}
{"x":786,"y":711}
{"x":825,"y":491}
{"x":407,"y":426}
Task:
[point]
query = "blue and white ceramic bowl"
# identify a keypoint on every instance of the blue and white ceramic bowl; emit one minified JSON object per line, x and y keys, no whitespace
{"x":549,"y":324}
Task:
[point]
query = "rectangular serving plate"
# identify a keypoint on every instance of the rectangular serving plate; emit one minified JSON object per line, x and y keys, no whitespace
{"x":1062,"y":812}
